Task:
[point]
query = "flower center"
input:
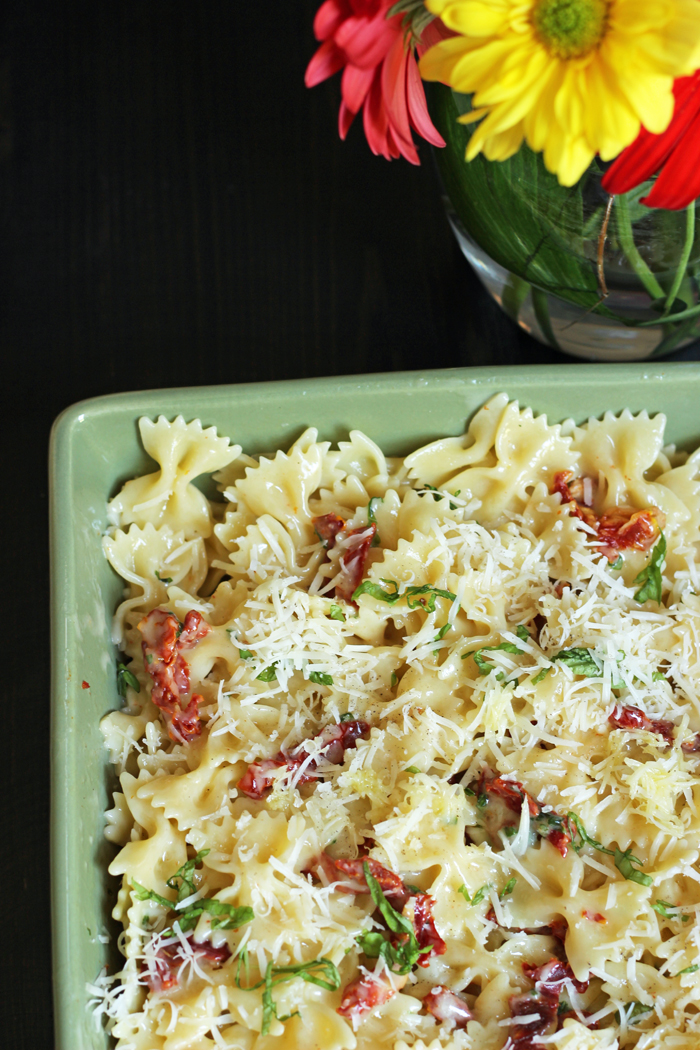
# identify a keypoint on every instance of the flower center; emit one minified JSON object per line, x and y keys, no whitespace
{"x":570,"y":28}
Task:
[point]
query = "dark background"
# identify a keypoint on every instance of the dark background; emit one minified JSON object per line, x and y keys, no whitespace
{"x":176,"y":210}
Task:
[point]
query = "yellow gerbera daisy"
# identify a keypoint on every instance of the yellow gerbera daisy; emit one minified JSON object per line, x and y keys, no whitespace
{"x":571,"y":77}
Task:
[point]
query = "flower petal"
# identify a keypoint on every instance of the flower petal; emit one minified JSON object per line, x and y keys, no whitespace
{"x":354,"y":87}
{"x":327,"y":61}
{"x":329,"y":17}
{"x":418,"y":107}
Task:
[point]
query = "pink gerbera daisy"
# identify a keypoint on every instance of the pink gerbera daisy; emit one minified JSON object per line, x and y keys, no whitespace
{"x":380,"y":75}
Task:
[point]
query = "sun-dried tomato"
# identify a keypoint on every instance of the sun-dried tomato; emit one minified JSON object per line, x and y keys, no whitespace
{"x":632,"y":718}
{"x":446,"y":1005}
{"x":426,"y":932}
{"x":363,"y":994}
{"x":327,"y":527}
{"x":622,"y":529}
{"x":164,"y":639}
{"x":162,"y":974}
{"x":353,"y":561}
{"x":337,"y":739}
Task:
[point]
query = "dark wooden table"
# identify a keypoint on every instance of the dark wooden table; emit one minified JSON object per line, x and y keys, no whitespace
{"x":177,"y":210}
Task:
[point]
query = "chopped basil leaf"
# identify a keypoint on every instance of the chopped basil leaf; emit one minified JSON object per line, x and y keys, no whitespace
{"x":371,"y":517}
{"x":380,"y":593}
{"x":482,"y":800}
{"x":347,"y":717}
{"x":268,"y":674}
{"x":624,"y":862}
{"x":142,"y":894}
{"x":689,"y":969}
{"x":245,"y":654}
{"x":414,"y":599}
{"x":400,"y":957}
{"x":149,"y":658}
{"x":183,"y":879}
{"x":125,"y":678}
{"x":508,"y":888}
{"x":442,"y":632}
{"x":650,"y":577}
{"x":394,"y":678}
{"x":164,"y":579}
{"x":637,"y":1010}
{"x":337,"y":613}
{"x":658,"y":676}
{"x":669,"y":911}
{"x":522,"y":632}
{"x":541,"y":675}
{"x":510,"y":831}
{"x":483,"y":665}
{"x":411,"y":769}
{"x":274,"y":975}
{"x":468,"y":791}
{"x":580,"y":661}
{"x":617,"y":564}
{"x":478,"y":896}
{"x":232,"y":917}
{"x":563,"y":1008}
{"x":319,"y":678}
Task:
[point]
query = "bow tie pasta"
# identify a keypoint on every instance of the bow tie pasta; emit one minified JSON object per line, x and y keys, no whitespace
{"x":409,"y":753}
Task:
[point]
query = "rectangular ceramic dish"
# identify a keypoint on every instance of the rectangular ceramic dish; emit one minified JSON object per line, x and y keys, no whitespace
{"x":95,"y":448}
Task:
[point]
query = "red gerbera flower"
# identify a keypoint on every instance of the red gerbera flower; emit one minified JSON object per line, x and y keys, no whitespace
{"x":380,"y":75}
{"x":675,"y":154}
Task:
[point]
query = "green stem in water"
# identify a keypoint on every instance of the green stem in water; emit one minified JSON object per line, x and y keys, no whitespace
{"x":513,"y":295}
{"x":685,"y":256}
{"x":541,"y":308}
{"x":624,"y":231}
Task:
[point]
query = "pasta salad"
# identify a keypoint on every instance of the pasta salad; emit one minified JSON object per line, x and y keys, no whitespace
{"x":409,"y":751}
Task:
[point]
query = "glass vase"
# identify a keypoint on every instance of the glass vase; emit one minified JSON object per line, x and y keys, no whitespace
{"x":595,"y":276}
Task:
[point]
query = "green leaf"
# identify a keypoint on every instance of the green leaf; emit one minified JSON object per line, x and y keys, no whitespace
{"x":411,"y":769}
{"x":164,"y":579}
{"x":668,"y":911}
{"x":376,"y":591}
{"x":232,"y":919}
{"x":442,"y":632}
{"x":268,"y":674}
{"x":508,"y":888}
{"x":541,"y":675}
{"x":337,"y":613}
{"x":275,"y":975}
{"x":483,"y":665}
{"x":541,"y":242}
{"x":183,"y":879}
{"x":638,"y":1010}
{"x":394,"y":679}
{"x":414,"y":599}
{"x":371,"y":517}
{"x":142,"y":894}
{"x":478,"y":896}
{"x":522,"y":632}
{"x":650,"y":579}
{"x":624,"y":862}
{"x":617,"y":564}
{"x":125,"y":678}
{"x":319,"y":678}
{"x":401,"y":957}
{"x":245,"y":654}
{"x":347,"y":717}
{"x":658,"y":676}
{"x":580,"y":661}
{"x":689,"y":969}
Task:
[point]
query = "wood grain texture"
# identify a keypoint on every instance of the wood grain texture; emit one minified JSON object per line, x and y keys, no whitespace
{"x":176,"y":210}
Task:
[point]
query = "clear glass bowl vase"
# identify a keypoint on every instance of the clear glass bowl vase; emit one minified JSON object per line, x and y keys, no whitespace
{"x":597,"y":277}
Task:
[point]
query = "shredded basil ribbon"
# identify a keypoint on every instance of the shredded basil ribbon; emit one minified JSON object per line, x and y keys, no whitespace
{"x":650,"y":577}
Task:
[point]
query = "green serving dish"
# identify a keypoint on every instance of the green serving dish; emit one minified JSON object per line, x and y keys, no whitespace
{"x":95,"y":448}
